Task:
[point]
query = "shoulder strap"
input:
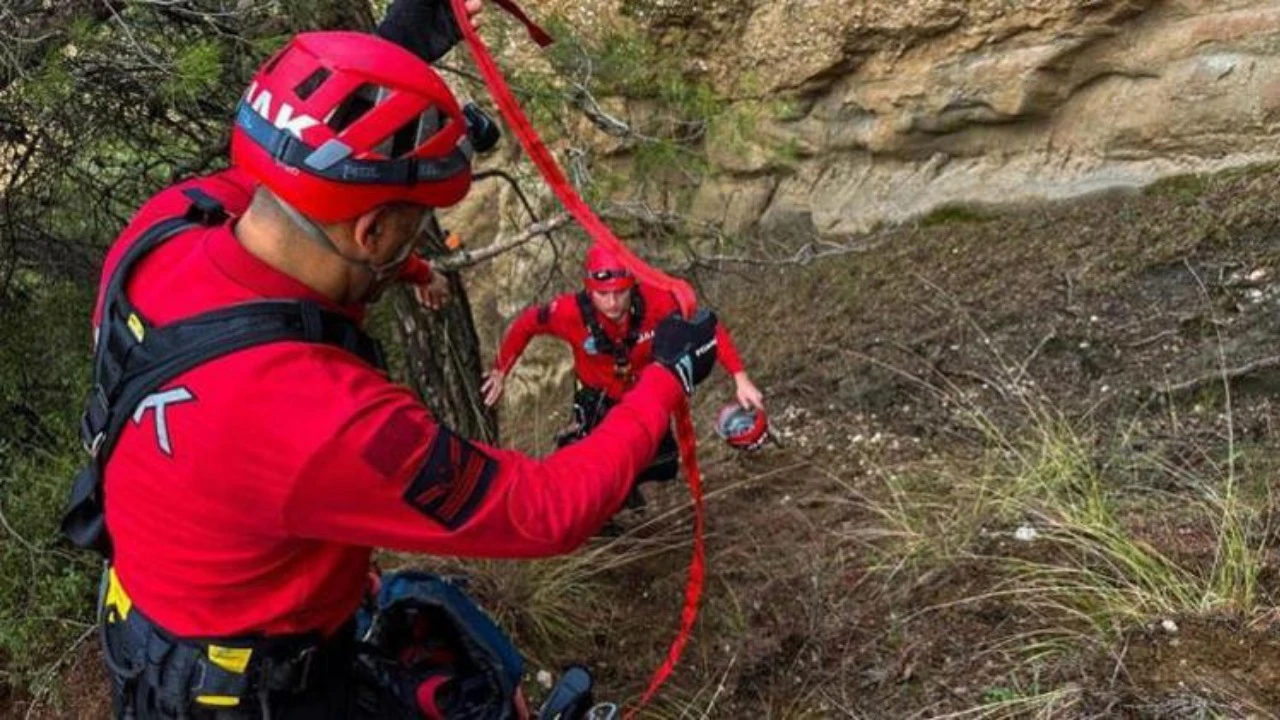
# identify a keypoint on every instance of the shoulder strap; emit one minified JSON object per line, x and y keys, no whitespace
{"x":637,"y":317}
{"x":588,"y":313}
{"x":603,"y":341}
{"x":134,"y":358}
{"x":621,"y":352}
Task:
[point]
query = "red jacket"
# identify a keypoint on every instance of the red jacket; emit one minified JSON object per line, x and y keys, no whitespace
{"x":283,"y":465}
{"x":563,"y":319}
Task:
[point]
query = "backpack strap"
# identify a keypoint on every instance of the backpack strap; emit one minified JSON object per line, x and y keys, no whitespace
{"x":134,"y":358}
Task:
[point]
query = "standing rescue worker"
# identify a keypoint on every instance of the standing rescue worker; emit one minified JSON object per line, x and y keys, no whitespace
{"x":249,"y":450}
{"x":610,"y":326}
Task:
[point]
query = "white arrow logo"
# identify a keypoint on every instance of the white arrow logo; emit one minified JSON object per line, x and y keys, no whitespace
{"x":159,"y":401}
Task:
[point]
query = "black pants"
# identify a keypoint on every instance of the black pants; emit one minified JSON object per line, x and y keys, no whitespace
{"x":590,"y":406}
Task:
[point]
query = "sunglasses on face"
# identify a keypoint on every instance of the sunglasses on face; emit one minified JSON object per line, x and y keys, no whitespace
{"x":602,"y":275}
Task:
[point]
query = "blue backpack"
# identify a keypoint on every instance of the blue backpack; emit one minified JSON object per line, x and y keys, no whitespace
{"x":427,"y":647}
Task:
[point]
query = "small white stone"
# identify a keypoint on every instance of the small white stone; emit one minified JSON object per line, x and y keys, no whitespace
{"x":1257,"y":275}
{"x":1026,"y":533}
{"x":1169,"y":626}
{"x":544,"y":678}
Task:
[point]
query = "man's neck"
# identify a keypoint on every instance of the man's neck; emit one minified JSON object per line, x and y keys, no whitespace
{"x":274,"y":240}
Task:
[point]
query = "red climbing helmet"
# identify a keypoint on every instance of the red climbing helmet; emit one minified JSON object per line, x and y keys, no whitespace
{"x":603,"y":271}
{"x":339,"y":123}
{"x":743,"y":428}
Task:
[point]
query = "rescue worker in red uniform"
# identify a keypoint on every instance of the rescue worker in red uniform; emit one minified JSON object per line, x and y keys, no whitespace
{"x":244,"y":496}
{"x":610,"y":327}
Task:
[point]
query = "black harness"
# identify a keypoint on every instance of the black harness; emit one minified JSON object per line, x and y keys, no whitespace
{"x":621,"y":352}
{"x":133,"y":358}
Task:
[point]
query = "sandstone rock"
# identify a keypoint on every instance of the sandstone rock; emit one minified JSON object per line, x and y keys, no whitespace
{"x":907,"y":105}
{"x":733,"y":203}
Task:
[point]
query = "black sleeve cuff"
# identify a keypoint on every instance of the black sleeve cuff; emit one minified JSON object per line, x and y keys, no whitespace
{"x":423,"y":27}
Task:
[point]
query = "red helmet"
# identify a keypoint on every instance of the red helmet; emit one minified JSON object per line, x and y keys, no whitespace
{"x":339,"y":123}
{"x":743,"y":428}
{"x":603,"y":271}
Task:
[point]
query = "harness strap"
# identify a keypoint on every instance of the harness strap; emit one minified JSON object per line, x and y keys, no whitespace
{"x":621,"y":352}
{"x":134,"y":358}
{"x":214,"y":673}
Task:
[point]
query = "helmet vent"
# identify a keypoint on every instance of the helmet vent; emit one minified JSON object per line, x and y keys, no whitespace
{"x":355,"y":106}
{"x":313,"y":82}
{"x":413,"y":134}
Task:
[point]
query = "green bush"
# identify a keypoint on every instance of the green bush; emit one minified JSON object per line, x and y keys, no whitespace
{"x":46,"y":590}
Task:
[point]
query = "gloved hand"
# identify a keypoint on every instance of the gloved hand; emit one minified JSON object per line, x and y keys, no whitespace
{"x":687,"y":347}
{"x":424,"y":27}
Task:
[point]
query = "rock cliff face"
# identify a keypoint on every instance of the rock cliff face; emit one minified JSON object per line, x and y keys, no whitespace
{"x":884,"y":110}
{"x":899,"y":106}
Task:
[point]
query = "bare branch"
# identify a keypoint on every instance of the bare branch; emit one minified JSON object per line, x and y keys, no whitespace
{"x":467,"y":258}
{"x":1222,"y":375}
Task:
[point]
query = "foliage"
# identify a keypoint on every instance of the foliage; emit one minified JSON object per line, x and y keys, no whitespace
{"x":101,"y":105}
{"x":649,"y":118}
{"x":45,"y":591}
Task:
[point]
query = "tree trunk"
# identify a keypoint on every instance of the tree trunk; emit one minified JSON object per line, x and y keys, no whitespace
{"x":443,"y":359}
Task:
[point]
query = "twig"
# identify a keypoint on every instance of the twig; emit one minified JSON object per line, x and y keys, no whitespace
{"x":9,"y":529}
{"x":1150,"y":340}
{"x":1022,"y":369}
{"x":1115,"y":674}
{"x":1070,"y":292}
{"x":720,"y":688}
{"x":802,"y":256}
{"x":466,"y":258}
{"x":461,"y":72}
{"x":1225,"y":375}
{"x":46,"y":680}
{"x":606,"y":123}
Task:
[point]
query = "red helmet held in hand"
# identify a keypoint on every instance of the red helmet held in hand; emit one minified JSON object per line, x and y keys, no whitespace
{"x":742,"y":428}
{"x":339,"y":123}
{"x":603,"y":271}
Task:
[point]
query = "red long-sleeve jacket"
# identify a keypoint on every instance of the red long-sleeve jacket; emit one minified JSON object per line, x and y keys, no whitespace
{"x":562,"y":318}
{"x":250,"y":499}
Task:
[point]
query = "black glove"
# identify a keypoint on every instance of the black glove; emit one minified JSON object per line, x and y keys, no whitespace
{"x":687,"y":347}
{"x":425,"y":28}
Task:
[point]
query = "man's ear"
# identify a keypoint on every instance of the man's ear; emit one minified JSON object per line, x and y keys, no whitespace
{"x":370,"y":230}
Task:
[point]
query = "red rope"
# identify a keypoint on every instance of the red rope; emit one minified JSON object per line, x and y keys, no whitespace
{"x":601,"y":234}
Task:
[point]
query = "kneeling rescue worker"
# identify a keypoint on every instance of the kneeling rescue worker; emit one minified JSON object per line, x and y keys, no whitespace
{"x":249,"y":450}
{"x":610,"y":326}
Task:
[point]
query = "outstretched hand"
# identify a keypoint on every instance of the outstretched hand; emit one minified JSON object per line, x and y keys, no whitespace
{"x":474,"y":8}
{"x":494,"y":380}
{"x":749,"y":396}
{"x":434,"y":293}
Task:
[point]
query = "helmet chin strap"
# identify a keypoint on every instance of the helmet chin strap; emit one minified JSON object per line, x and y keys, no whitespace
{"x":381,"y":273}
